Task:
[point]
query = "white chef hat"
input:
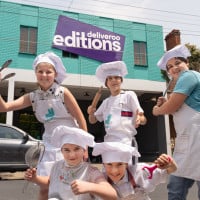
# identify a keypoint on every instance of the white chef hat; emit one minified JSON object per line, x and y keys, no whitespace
{"x":71,"y":135}
{"x":54,"y":60}
{"x":115,"y":68}
{"x":177,"y":51}
{"x":115,"y":152}
{"x":53,"y":199}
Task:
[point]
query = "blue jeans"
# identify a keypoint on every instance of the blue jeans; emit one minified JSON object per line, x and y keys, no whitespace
{"x":178,"y":187}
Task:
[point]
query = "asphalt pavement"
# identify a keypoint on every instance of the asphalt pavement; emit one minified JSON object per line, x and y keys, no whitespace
{"x":12,"y":184}
{"x":160,"y":193}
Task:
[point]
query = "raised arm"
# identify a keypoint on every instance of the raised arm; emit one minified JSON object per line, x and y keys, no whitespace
{"x":92,"y":119}
{"x":175,"y":101}
{"x":30,"y":175}
{"x":18,"y":104}
{"x":166,"y":162}
{"x":74,"y":109}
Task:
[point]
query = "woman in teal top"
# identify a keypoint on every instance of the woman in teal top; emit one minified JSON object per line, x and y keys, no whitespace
{"x":184,"y":105}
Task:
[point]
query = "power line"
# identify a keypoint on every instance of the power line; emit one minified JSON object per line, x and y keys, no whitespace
{"x":48,"y":17}
{"x":152,"y":9}
{"x":110,"y":3}
{"x":71,"y":6}
{"x":114,"y":3}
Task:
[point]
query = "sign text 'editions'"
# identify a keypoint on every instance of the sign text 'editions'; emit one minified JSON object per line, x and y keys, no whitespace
{"x":88,"y":40}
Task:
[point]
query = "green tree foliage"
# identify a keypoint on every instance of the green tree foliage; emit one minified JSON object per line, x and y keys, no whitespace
{"x":29,"y":123}
{"x":194,"y":59}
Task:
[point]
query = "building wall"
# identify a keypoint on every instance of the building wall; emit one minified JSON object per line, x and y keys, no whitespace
{"x":13,"y":15}
{"x":82,"y":70}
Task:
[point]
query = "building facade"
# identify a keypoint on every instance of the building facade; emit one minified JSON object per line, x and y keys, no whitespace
{"x":27,"y":31}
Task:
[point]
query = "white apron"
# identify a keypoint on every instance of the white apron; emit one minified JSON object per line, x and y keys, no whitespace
{"x":127,"y":188}
{"x":61,"y":178}
{"x":50,"y":110}
{"x":119,"y":121}
{"x":187,"y":143}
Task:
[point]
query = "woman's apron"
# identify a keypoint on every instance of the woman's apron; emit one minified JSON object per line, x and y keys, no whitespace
{"x":187,"y":142}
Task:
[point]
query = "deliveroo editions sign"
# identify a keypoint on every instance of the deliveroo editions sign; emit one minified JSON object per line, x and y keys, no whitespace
{"x":88,"y":40}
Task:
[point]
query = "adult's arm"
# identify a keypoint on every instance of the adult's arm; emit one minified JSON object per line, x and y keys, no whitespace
{"x":175,"y":101}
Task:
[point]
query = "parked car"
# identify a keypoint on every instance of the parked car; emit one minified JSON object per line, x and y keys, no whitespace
{"x":14,"y":143}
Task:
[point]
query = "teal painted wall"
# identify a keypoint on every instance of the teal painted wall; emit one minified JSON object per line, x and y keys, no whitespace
{"x":13,"y":15}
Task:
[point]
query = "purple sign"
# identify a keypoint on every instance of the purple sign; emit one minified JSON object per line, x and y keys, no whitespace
{"x":88,"y":40}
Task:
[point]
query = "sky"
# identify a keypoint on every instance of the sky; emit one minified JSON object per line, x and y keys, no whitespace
{"x":171,"y":14}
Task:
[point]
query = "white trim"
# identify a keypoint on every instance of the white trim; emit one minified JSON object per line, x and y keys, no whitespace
{"x":167,"y":130}
{"x":23,"y":75}
{"x":132,"y":84}
{"x":11,"y":87}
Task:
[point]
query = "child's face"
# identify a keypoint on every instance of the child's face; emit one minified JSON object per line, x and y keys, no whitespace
{"x":114,"y":82}
{"x":45,"y":74}
{"x":73,"y":154}
{"x":115,"y":171}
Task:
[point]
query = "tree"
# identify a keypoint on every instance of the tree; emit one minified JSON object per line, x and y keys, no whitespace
{"x":194,"y":59}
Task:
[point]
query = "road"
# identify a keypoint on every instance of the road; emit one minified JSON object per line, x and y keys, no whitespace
{"x":11,"y":188}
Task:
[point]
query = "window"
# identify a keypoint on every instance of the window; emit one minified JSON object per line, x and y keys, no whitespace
{"x":10,"y":133}
{"x":69,"y":54}
{"x":140,"y":53}
{"x":28,"y":40}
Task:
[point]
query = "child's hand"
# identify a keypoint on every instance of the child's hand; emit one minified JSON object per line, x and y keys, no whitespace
{"x":30,"y":174}
{"x":140,"y":119}
{"x":79,"y":187}
{"x":162,"y":161}
{"x":166,"y":162}
{"x":91,"y":110}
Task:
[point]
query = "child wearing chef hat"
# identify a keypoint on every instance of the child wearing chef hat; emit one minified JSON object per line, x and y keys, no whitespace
{"x":132,"y":181}
{"x":55,"y":61}
{"x":71,"y":177}
{"x":121,"y":111}
{"x":53,"y":105}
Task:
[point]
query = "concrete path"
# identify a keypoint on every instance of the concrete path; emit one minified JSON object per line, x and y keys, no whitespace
{"x":159,"y":194}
